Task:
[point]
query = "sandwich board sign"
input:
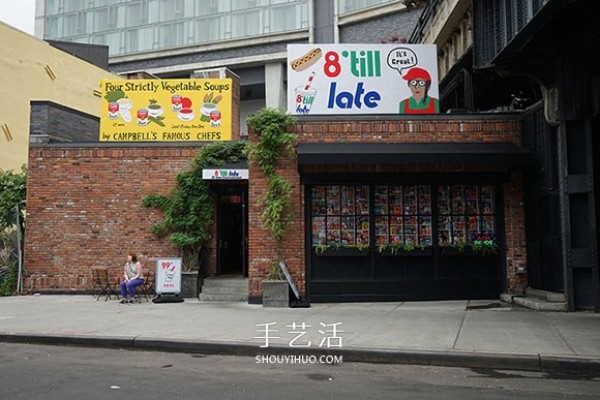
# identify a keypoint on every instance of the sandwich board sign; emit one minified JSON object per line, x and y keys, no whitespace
{"x":168,"y":276}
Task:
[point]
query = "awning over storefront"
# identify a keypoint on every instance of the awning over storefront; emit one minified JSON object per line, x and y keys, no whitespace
{"x":412,"y":153}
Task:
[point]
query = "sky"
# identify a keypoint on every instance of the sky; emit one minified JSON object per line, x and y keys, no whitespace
{"x":18,"y":13}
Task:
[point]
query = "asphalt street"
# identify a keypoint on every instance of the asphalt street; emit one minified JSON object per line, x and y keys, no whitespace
{"x":52,"y":373}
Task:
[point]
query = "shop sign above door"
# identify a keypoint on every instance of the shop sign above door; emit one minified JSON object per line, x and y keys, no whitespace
{"x":225,"y":174}
{"x":167,"y":110}
{"x":362,"y":79}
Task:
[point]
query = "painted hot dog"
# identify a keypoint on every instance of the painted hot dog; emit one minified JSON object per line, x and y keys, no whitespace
{"x":307,"y":60}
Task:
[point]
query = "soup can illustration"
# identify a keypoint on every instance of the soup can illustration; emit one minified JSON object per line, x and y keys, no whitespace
{"x":142,"y":116}
{"x":215,"y":118}
{"x":113,"y":110}
{"x":176,"y":102}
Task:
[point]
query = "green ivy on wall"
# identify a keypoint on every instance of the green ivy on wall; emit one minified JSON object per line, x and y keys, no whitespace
{"x":273,"y":144}
{"x":188,"y":210}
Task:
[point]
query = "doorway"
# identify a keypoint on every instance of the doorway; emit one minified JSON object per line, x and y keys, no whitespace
{"x":231,"y":234}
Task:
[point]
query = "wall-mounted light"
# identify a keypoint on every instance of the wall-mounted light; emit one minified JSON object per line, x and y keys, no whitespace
{"x":49,"y":71}
{"x":7,"y":133}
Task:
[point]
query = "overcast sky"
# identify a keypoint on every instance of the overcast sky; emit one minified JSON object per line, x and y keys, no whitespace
{"x":18,"y":13}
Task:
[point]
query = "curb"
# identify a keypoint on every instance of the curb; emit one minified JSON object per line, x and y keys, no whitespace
{"x":443,"y":358}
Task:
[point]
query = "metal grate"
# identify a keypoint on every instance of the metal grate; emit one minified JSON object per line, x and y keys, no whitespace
{"x":497,"y":22}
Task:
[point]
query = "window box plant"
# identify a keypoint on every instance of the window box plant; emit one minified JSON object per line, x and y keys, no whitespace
{"x":482,"y":245}
{"x":404,"y":249}
{"x":459,"y":248}
{"x":338,"y":250}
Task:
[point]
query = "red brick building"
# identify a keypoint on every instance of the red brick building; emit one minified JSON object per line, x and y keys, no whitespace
{"x":428,"y":180}
{"x":431,"y":155}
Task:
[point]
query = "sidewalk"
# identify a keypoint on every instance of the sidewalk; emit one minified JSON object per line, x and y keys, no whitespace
{"x":454,"y":333}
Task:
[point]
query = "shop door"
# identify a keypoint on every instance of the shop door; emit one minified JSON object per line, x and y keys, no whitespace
{"x":231,"y":226}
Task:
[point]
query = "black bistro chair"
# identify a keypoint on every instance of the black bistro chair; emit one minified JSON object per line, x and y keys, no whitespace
{"x":103,"y":284}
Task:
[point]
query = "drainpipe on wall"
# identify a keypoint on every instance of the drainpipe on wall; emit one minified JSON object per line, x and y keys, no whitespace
{"x":311,"y":21}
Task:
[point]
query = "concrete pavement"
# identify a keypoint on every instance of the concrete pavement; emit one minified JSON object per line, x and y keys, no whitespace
{"x":453,"y":333}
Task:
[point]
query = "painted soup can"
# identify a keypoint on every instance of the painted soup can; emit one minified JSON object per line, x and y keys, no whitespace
{"x":176,"y":102}
{"x":142,"y":116}
{"x":215,"y":118}
{"x":113,"y":110}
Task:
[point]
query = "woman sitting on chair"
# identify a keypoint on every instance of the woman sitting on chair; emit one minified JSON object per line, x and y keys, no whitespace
{"x":132,"y":277}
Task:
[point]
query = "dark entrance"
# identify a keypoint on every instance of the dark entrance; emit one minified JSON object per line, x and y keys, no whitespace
{"x":232,"y":233}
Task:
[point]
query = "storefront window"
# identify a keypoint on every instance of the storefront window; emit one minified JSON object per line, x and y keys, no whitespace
{"x":464,"y":210}
{"x":340,"y":215}
{"x":401,"y":214}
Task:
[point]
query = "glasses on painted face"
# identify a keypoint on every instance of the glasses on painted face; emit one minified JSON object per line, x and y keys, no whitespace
{"x":417,"y":82}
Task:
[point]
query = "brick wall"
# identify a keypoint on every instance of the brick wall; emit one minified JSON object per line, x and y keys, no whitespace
{"x":84,"y":210}
{"x":376,"y":130}
{"x":84,"y":203}
{"x":514,"y":226}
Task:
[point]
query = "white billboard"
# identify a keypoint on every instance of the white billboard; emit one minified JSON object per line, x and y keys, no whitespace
{"x":326,"y":79}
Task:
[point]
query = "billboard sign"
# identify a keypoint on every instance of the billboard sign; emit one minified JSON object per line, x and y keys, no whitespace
{"x":166,"y":110}
{"x":334,"y":79}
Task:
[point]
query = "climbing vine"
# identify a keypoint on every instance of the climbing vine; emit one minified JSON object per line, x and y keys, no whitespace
{"x":273,"y":143}
{"x":188,"y":210}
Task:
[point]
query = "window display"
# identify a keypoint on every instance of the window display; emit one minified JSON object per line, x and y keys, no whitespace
{"x":396,"y":230}
{"x":381,"y":229}
{"x":318,"y":231}
{"x":347,"y":235}
{"x":395,"y":200}
{"x":333,"y":200}
{"x":362,"y":200}
{"x":401,"y":214}
{"x":425,"y":231}
{"x":464,"y":210}
{"x":335,"y":213}
{"x":318,"y":200}
{"x":362,"y":230}
{"x":398,"y":214}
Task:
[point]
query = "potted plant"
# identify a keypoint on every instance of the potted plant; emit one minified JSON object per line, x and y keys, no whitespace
{"x":484,"y":245}
{"x":188,"y":210}
{"x":276,"y":290}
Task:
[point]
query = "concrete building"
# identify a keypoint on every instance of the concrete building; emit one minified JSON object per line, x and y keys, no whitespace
{"x":173,"y":38}
{"x":539,"y":58}
{"x":32,"y":69}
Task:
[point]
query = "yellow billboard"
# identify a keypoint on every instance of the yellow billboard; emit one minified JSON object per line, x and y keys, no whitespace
{"x":166,"y":110}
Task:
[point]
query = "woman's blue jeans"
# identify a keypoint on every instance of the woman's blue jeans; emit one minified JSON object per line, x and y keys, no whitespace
{"x":128,"y":288}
